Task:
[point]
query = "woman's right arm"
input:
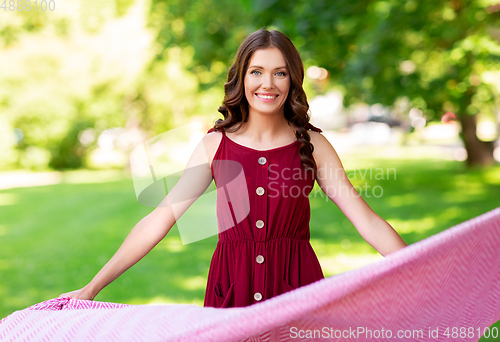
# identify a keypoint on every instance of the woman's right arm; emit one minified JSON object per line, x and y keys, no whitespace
{"x":146,"y":234}
{"x":149,"y":231}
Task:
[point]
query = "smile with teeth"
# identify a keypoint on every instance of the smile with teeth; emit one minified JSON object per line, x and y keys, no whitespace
{"x":267,"y":97}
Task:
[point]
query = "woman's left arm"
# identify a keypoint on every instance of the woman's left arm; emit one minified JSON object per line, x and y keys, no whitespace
{"x":333,"y":180}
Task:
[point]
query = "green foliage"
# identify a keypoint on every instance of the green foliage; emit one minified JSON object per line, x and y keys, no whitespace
{"x":377,"y":50}
{"x":92,"y":69}
{"x":122,"y":6}
{"x":173,"y":93}
{"x":68,"y":152}
{"x":101,"y":63}
{"x":60,"y":81}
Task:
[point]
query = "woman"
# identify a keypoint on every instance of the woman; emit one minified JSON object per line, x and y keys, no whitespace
{"x":265,"y":131}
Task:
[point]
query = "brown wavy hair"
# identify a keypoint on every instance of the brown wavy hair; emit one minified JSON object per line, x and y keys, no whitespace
{"x":234,"y":107}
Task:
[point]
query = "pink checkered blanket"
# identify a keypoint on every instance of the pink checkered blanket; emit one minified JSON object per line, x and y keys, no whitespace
{"x":443,"y":288}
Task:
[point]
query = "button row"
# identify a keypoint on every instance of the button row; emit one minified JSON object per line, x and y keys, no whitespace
{"x":260,"y":224}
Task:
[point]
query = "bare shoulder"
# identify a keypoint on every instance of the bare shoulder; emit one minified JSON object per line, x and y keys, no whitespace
{"x":211,"y":142}
{"x":319,"y":142}
{"x":324,"y":152}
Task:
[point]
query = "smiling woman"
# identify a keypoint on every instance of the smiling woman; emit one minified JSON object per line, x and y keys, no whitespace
{"x":265,"y":108}
{"x":264,"y":245}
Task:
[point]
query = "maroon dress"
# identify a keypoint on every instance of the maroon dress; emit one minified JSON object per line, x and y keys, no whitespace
{"x":266,"y":252}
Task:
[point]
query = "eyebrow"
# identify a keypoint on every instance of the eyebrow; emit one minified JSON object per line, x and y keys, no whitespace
{"x":258,"y":66}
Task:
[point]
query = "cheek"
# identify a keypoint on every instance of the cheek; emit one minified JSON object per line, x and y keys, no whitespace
{"x":285,"y":88}
{"x":248,"y":94}
{"x":284,"y":85}
{"x":250,"y":84}
{"x":248,"y":87}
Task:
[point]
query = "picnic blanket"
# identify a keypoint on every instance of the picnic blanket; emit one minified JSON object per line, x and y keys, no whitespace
{"x":443,"y":288}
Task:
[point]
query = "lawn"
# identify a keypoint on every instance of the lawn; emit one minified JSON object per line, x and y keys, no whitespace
{"x":56,"y":238}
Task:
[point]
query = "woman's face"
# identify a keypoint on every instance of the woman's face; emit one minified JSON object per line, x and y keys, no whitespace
{"x":267,"y":81}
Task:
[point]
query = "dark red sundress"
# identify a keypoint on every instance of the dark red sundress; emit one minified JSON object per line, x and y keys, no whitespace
{"x":266,"y":252}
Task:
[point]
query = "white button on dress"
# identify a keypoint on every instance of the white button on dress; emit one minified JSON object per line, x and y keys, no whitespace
{"x":262,"y":160}
{"x":259,"y":224}
{"x":260,"y":191}
{"x":259,"y":259}
{"x":257,"y":296}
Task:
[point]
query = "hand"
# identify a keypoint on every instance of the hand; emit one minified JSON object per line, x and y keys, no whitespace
{"x":82,"y":293}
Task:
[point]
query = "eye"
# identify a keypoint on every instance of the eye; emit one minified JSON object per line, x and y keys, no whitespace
{"x":281,"y":74}
{"x":255,"y":72}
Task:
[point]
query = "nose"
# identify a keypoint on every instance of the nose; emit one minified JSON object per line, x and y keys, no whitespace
{"x":268,"y":82}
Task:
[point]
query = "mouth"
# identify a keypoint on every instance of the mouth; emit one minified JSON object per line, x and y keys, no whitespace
{"x":267,"y":97}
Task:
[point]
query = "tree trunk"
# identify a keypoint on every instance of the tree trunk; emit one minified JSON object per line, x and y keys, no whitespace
{"x":479,"y":153}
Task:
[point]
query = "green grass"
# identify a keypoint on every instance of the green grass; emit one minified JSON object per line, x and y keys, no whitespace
{"x":56,"y":238}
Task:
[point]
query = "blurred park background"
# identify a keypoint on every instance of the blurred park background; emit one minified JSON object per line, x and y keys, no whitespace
{"x":405,"y":85}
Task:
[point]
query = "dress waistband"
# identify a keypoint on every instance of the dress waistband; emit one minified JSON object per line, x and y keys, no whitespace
{"x":265,"y":241}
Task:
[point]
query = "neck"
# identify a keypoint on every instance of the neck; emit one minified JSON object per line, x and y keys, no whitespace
{"x":267,"y":127}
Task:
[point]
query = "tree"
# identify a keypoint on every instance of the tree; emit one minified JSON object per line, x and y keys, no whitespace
{"x":55,"y":83}
{"x":434,"y":53}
